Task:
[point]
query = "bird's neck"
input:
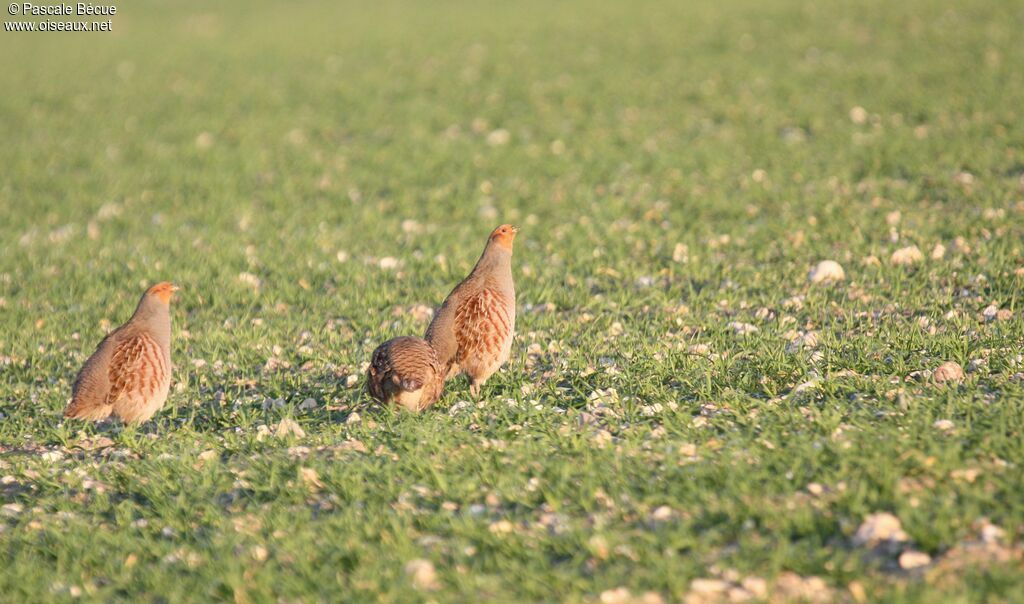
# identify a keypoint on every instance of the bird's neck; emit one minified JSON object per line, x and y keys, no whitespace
{"x":495,"y":262}
{"x":156,"y":318}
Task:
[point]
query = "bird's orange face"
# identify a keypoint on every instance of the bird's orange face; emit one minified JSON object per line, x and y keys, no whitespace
{"x":504,"y":235}
{"x":163,"y":290}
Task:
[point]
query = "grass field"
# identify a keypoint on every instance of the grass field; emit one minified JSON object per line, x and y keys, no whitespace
{"x":684,"y":416}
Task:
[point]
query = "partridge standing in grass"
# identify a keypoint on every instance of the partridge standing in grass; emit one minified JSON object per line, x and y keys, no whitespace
{"x":472,"y":331}
{"x":130,"y":372}
{"x":405,"y":371}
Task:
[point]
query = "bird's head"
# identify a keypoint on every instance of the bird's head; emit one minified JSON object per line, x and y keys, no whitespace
{"x":162,"y":291}
{"x":504,"y":235}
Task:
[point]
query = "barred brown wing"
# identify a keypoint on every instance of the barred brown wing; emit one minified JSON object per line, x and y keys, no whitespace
{"x":137,"y":368}
{"x":483,"y":324}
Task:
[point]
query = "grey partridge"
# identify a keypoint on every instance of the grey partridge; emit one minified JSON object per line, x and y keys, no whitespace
{"x":405,"y":371}
{"x":472,"y":331}
{"x":129,"y":374}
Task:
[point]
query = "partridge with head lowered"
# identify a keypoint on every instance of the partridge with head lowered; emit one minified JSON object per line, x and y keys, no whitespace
{"x":405,"y":371}
{"x":472,"y":331}
{"x":129,"y":374}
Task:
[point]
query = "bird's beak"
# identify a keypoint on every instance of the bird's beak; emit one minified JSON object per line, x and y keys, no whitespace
{"x":515,"y":229}
{"x":175,"y":288}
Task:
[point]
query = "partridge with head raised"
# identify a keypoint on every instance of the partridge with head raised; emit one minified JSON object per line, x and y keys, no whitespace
{"x":405,"y":371}
{"x":472,"y":331}
{"x":129,"y":374}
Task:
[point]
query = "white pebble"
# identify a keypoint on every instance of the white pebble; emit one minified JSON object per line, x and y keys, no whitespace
{"x":250,"y":279}
{"x":204,"y":140}
{"x":289,"y":427}
{"x":681,"y":253}
{"x":662,"y":513}
{"x":906,"y":256}
{"x":499,"y":137}
{"x":422,"y":574}
{"x":742,"y":329}
{"x":826,"y":271}
{"x":911,"y":559}
{"x":882,"y":526}
{"x":950,"y":372}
